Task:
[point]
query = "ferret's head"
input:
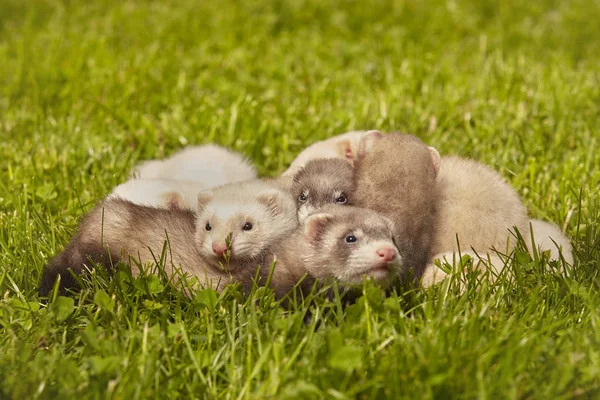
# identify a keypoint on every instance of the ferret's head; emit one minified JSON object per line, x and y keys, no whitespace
{"x":322,"y":182}
{"x":350,"y":244}
{"x":370,"y":143}
{"x":236,"y":226}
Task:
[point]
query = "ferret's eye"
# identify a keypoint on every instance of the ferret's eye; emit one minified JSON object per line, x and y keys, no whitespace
{"x":341,"y":200}
{"x":208,"y":227}
{"x":247,"y":226}
{"x":351,"y":238}
{"x":302,"y":198}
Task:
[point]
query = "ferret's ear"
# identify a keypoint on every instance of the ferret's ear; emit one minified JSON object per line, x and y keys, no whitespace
{"x":272,"y":200}
{"x":204,"y":197}
{"x":368,"y":140}
{"x":435,"y":158}
{"x":344,"y":149}
{"x":314,"y":226}
{"x":173,"y":200}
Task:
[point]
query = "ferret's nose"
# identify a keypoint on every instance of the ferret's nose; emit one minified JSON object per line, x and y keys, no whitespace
{"x":219,"y":248}
{"x":387,"y":254}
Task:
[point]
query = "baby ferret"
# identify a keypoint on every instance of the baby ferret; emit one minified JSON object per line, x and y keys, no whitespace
{"x":477,"y":211}
{"x":347,"y":244}
{"x":321,"y":182}
{"x":238,"y":223}
{"x":117,"y":230}
{"x":344,"y":146}
{"x":395,"y":175}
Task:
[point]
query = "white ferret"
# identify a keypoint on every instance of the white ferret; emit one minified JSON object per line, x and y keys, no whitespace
{"x":343,"y":146}
{"x":212,"y":165}
{"x":176,"y":181}
{"x":237,"y":223}
{"x":163,"y":193}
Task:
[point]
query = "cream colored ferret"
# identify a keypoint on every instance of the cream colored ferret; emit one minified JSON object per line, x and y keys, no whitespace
{"x":163,"y":193}
{"x":210,"y":164}
{"x":342,"y":146}
{"x":176,"y":181}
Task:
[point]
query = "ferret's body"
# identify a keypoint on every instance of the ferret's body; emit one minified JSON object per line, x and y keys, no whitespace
{"x":321,"y":182}
{"x":396,"y":176}
{"x":176,"y":181}
{"x":117,"y":229}
{"x":476,"y":204}
{"x":211,"y":165}
{"x":163,"y":193}
{"x":253,"y":216}
{"x":344,"y":146}
{"x":477,"y":211}
{"x":480,"y":208}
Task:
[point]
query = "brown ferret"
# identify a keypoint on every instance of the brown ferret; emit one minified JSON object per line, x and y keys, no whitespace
{"x":117,"y":230}
{"x":254,"y":215}
{"x":321,"y":182}
{"x":395,"y":175}
{"x":348,"y":244}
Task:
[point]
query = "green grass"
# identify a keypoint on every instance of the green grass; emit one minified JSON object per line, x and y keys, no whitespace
{"x":88,"y":88}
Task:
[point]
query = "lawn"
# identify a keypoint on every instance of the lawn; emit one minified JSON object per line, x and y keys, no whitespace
{"x":89,"y":88}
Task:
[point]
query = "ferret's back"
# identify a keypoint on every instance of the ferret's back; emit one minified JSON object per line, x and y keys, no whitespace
{"x":477,"y":204}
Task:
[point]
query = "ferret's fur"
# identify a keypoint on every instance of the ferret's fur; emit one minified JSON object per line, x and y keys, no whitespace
{"x":118,"y":229}
{"x":321,"y":182}
{"x":223,"y":212}
{"x":163,"y":193}
{"x":395,"y":175}
{"x":176,"y":181}
{"x":210,"y":164}
{"x":344,"y":146}
{"x":319,"y":250}
{"x":542,"y":235}
{"x":476,"y":203}
{"x":458,"y":180}
{"x":548,"y":237}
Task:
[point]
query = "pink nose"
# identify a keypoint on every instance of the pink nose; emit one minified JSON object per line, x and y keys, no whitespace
{"x":219,"y":248}
{"x":387,"y":254}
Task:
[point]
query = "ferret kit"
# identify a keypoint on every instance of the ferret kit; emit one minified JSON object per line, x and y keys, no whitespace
{"x":355,"y":207}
